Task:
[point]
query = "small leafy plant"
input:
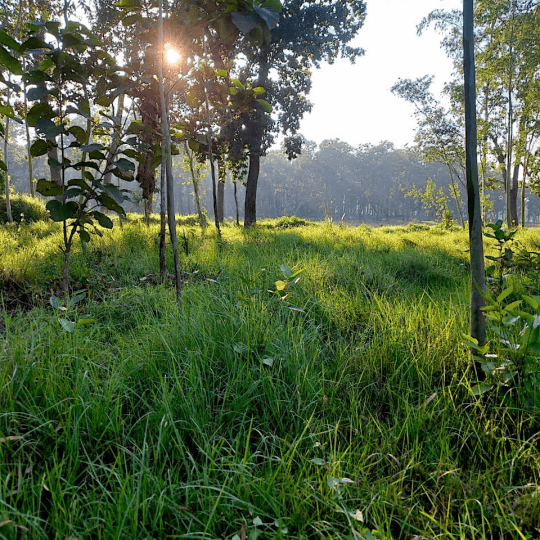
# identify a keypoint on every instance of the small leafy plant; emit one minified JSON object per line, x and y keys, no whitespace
{"x":68,"y":306}
{"x":510,"y":365}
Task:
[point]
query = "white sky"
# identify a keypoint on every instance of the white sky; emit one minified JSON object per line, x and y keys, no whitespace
{"x":353,"y":102}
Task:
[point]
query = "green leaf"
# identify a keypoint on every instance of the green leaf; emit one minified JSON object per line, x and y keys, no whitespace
{"x":49,"y":128}
{"x":265,"y":105}
{"x":258,"y":90}
{"x":7,"y":110}
{"x":3,"y":165}
{"x":128,"y":20}
{"x":86,"y":320}
{"x":193,"y":145}
{"x":125,"y":164}
{"x":61,"y":212}
{"x":36,"y":93}
{"x":104,"y":220}
{"x":67,"y":325}
{"x":269,"y":16}
{"x":532,"y":301}
{"x":507,"y":292}
{"x":8,"y":41}
{"x":287,"y":272}
{"x":109,"y":203}
{"x":10,"y":62}
{"x":48,"y":188}
{"x":238,"y":83}
{"x":39,"y":110}
{"x":275,"y":5}
{"x":91,"y":147}
{"x":79,"y":133}
{"x":281,"y":285}
{"x":480,"y":389}
{"x":244,"y":23}
{"x":84,"y":235}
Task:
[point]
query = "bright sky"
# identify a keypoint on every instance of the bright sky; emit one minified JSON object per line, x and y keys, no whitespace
{"x":353,"y":102}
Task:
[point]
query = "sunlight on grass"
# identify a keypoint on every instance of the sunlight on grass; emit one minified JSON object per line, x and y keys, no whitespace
{"x":346,"y":415}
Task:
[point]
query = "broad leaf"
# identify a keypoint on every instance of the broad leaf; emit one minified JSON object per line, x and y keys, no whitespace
{"x":79,"y":134}
{"x":61,"y":212}
{"x":67,"y":325}
{"x":36,"y":93}
{"x":265,"y":105}
{"x":10,"y":62}
{"x":104,"y":220}
{"x":244,"y":23}
{"x":269,"y":16}
{"x":48,"y":188}
{"x":8,"y":41}
{"x":39,"y":110}
{"x":7,"y":110}
{"x":40,"y":147}
{"x":109,"y":203}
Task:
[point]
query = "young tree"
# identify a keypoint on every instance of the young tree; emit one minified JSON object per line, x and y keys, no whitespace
{"x":478,"y":330}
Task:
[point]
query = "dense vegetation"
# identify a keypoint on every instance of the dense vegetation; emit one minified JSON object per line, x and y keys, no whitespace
{"x":334,"y":406}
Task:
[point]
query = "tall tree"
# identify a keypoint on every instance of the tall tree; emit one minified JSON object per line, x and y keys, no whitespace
{"x":307,"y":34}
{"x":478,"y":330}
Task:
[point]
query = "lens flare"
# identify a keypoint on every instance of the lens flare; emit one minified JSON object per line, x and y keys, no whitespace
{"x":172,"y":56}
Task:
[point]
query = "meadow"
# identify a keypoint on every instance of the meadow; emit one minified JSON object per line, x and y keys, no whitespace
{"x":333,"y":406}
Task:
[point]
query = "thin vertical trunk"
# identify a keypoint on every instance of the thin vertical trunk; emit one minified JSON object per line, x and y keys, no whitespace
{"x":250,"y":205}
{"x":166,"y":150}
{"x":523,"y":187}
{"x":6,"y":161}
{"x":220,"y":200}
{"x":478,"y":324}
{"x":28,"y":140}
{"x":236,"y":203}
{"x":210,"y":151}
{"x":511,"y":192}
{"x":513,"y":195}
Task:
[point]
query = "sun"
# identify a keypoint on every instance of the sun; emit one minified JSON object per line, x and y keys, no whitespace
{"x":172,"y":56}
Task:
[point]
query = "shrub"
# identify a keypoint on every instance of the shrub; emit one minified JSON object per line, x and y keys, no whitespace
{"x":24,"y":208}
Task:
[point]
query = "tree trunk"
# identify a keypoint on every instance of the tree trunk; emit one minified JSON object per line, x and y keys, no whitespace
{"x":523,"y":186}
{"x":236,"y":203}
{"x":166,"y":149}
{"x":513,"y":196}
{"x":6,"y":172}
{"x":28,"y":140}
{"x":250,"y":204}
{"x":478,"y":322}
{"x":220,"y":200}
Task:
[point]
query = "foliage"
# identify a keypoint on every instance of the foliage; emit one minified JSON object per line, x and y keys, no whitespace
{"x":511,"y":363}
{"x":434,"y":199}
{"x":24,"y":208}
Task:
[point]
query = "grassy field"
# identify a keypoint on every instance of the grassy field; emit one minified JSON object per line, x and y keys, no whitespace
{"x":341,"y":411}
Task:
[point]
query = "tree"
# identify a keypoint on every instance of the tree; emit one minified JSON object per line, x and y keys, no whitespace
{"x":439,"y":136}
{"x":478,"y":324}
{"x":307,"y":34}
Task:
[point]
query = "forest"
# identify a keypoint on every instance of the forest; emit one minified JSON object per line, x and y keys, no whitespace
{"x":212,"y":327}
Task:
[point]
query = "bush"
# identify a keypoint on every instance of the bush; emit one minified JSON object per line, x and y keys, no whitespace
{"x":24,"y":208}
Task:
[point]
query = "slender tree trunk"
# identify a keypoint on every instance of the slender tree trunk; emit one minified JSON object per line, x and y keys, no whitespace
{"x":236,"y":203}
{"x":523,"y":186}
{"x":166,"y":150}
{"x":511,"y":192}
{"x":28,"y":140}
{"x":514,"y":195}
{"x":220,"y":200}
{"x":478,"y":324}
{"x":250,"y":204}
{"x":210,"y":149}
{"x":6,"y":161}
{"x":255,"y":147}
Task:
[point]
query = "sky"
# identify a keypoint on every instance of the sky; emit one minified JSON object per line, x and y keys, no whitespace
{"x":353,"y":102}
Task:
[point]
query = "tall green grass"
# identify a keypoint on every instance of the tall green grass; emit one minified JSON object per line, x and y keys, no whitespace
{"x":341,"y":411}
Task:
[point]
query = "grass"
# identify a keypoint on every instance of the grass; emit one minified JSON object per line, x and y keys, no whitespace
{"x":238,"y":417}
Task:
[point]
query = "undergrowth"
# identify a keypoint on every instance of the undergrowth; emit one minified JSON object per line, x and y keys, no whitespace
{"x":336,"y":405}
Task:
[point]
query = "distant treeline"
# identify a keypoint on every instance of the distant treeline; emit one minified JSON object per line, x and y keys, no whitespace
{"x":364,"y":184}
